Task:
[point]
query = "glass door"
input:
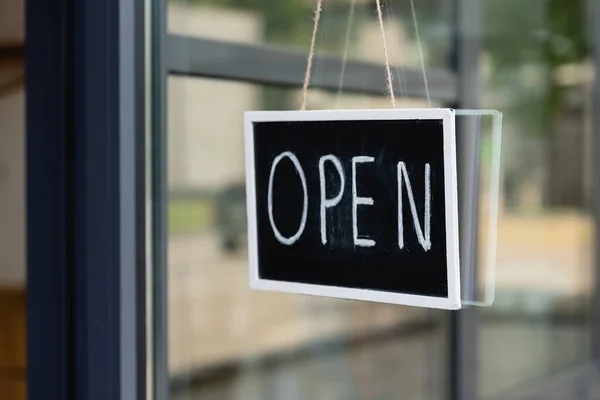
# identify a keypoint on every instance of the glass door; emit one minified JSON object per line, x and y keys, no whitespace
{"x":214,"y":338}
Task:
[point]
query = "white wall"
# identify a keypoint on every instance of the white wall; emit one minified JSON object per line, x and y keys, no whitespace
{"x":12,"y":189}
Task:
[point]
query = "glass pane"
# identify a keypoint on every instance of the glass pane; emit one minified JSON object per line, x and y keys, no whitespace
{"x":228,"y":342}
{"x":540,"y":322}
{"x":289,"y":23}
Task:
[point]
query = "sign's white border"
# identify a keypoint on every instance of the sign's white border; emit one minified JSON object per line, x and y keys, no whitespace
{"x":452,"y":302}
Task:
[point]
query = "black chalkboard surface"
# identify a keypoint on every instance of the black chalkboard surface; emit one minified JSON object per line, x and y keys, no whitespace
{"x":357,"y":204}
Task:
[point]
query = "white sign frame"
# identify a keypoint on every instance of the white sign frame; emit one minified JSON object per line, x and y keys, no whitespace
{"x":453,"y":301}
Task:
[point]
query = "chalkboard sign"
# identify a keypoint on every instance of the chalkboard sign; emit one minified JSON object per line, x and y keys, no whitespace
{"x":356,"y":204}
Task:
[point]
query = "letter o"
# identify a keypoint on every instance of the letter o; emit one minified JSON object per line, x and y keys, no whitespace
{"x":282,"y":239}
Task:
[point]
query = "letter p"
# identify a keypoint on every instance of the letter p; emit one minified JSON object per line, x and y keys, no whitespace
{"x":325,"y":202}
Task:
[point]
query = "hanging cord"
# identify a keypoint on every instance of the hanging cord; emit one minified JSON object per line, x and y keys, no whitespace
{"x":390,"y":87}
{"x":345,"y":56}
{"x":420,"y":47}
{"x":311,"y":54}
{"x":397,"y":71}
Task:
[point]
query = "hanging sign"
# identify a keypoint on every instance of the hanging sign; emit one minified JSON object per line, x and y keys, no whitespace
{"x":358,"y":204}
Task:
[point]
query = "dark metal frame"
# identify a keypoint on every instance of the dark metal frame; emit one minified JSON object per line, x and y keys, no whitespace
{"x":49,"y":233}
{"x":158,"y":140}
{"x":86,"y":243}
{"x":463,"y":323}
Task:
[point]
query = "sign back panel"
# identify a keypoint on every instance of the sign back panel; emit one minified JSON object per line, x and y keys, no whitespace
{"x":356,"y":204}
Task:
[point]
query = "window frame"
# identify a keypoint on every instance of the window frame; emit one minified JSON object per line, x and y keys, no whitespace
{"x":85,"y":157}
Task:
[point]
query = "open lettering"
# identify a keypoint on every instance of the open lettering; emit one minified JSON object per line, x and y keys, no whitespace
{"x":404,"y":192}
